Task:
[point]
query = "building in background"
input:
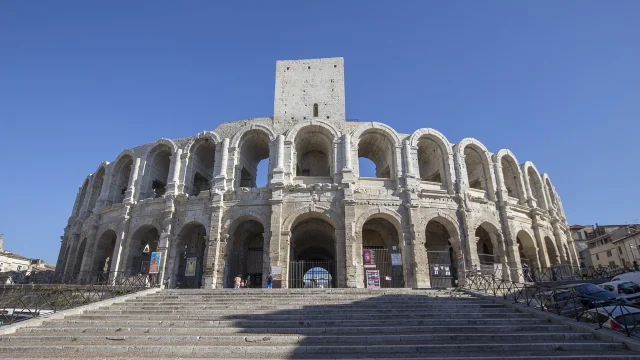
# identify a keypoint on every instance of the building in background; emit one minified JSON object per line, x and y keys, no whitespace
{"x":15,"y":262}
{"x":607,"y":245}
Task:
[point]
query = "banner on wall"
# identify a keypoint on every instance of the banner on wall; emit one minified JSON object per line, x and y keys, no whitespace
{"x":368,"y":257}
{"x":276,"y":272}
{"x":154,"y":263}
{"x":190,"y":268}
{"x":373,"y":279}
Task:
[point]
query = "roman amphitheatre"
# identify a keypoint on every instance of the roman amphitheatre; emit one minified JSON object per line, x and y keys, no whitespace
{"x":431,"y":210}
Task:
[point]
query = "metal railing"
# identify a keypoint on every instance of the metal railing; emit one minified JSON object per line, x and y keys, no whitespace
{"x":565,"y":301}
{"x":23,"y":301}
{"x":559,"y":273}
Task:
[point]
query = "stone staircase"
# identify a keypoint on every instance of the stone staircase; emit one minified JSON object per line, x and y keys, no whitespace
{"x":306,"y":324}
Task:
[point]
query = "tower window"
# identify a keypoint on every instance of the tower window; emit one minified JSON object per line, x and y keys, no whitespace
{"x":315,"y":110}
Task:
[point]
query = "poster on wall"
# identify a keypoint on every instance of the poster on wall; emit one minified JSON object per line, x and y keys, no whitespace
{"x":276,"y":272}
{"x":369,"y":257}
{"x":190,"y":268}
{"x":396,"y":259}
{"x":373,"y":279}
{"x":154,"y":265}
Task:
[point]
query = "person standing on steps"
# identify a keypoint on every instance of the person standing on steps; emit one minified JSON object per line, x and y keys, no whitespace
{"x":270,"y":282}
{"x":237,"y":281}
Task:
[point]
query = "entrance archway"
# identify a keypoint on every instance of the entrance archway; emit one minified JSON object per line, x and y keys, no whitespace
{"x":441,"y":255}
{"x":143,"y":242}
{"x":380,"y":238}
{"x":246,"y":254}
{"x":190,"y":256}
{"x":104,"y":253}
{"x":79,"y":256}
{"x":551,"y":251}
{"x":312,"y":254}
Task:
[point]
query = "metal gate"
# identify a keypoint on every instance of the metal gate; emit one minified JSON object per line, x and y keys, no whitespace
{"x":391,"y":275}
{"x":246,"y":263}
{"x":311,"y":274}
{"x":442,"y":271}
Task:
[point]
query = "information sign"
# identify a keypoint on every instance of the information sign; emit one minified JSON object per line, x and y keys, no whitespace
{"x":190,"y":268}
{"x":154,"y":265}
{"x":373,"y":279}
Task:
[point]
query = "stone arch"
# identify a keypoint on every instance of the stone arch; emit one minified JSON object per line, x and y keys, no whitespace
{"x":489,"y":237}
{"x":552,"y":251}
{"x":83,"y":194}
{"x":533,"y":184}
{"x":105,"y":250}
{"x":119,"y":176}
{"x":252,"y":145}
{"x":300,"y":213}
{"x":80,"y":254}
{"x":158,"y":165}
{"x":245,"y":254}
{"x":382,"y":235}
{"x":240,"y":133}
{"x":527,"y":248}
{"x":509,"y":175}
{"x":191,"y":243}
{"x":378,"y":143}
{"x":441,"y":247}
{"x":476,"y":166}
{"x":200,"y":167}
{"x":211,"y":135}
{"x":428,"y":140}
{"x":97,"y":181}
{"x":384,"y":213}
{"x":313,"y":148}
{"x":550,"y":192}
{"x":142,"y":242}
{"x":237,"y":215}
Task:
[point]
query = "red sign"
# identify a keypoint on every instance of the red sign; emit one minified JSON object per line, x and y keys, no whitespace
{"x":373,"y":279}
{"x":369,"y":257}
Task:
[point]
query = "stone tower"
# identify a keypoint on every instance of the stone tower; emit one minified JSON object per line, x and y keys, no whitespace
{"x":309,"y":89}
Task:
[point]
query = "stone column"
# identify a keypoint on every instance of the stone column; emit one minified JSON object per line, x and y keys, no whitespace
{"x":129,"y":195}
{"x":542,"y":253}
{"x":71,"y":254}
{"x":557,"y":234}
{"x":103,"y":198}
{"x":278,"y":249}
{"x":347,"y":170}
{"x":342,"y":258}
{"x":574,"y":256}
{"x":165,"y":236}
{"x":174,"y":174}
{"x":221,"y":176}
{"x":408,"y":161}
{"x":278,"y":172}
{"x":89,"y":255}
{"x":419,"y":262}
{"x":119,"y":252}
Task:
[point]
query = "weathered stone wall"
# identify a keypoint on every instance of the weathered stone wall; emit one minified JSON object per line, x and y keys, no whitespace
{"x":516,"y":214}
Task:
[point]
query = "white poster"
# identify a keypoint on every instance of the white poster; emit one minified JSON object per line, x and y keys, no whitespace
{"x":396,"y":259}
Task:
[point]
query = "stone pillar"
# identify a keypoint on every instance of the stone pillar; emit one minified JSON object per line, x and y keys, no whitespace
{"x":62,"y":254}
{"x":119,"y":252}
{"x":212,"y":265}
{"x":174,"y":174}
{"x":557,"y":234}
{"x":278,"y":249}
{"x":129,"y":195}
{"x":103,"y":198}
{"x":89,"y":255}
{"x":221,"y":176}
{"x":278,"y":172}
{"x":347,"y":170}
{"x":71,"y":254}
{"x":408,"y":161}
{"x":573,"y":254}
{"x":419,"y":262}
{"x":398,"y":162}
{"x":343,"y":258}
{"x":165,"y":236}
{"x":542,"y":253}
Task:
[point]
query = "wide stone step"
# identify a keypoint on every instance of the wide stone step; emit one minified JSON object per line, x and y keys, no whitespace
{"x":375,"y":351}
{"x":336,"y":312}
{"x":215,"y":309}
{"x":298,"y":306}
{"x":448,"y":329}
{"x":288,"y":316}
{"x":78,"y":339}
{"x":289,"y":324}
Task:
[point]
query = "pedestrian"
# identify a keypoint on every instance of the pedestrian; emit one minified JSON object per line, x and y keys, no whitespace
{"x":270,"y":282}
{"x":237,"y":281}
{"x":635,"y":265}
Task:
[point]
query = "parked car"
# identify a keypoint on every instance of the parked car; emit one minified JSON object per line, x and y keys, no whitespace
{"x":620,"y":318}
{"x":561,"y":302}
{"x":633,"y":276}
{"x":590,"y":295}
{"x":628,"y":292}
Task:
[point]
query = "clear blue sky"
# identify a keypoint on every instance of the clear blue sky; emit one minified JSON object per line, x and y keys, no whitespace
{"x":557,"y":82}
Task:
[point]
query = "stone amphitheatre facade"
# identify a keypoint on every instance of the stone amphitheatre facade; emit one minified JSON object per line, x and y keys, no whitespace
{"x":432,"y":210}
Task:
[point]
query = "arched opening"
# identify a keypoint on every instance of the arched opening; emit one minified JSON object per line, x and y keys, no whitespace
{"x":380,"y":238}
{"x":245,"y":259}
{"x":430,"y":160}
{"x":157,"y":168}
{"x":120,"y":180}
{"x":77,"y":265}
{"x":536,"y":187}
{"x":551,"y":251}
{"x":201,"y":164}
{"x":314,"y":150}
{"x":143,"y":242}
{"x":441,"y":255}
{"x":527,"y":249}
{"x":96,"y":187}
{"x":476,"y":172}
{"x":510,"y":176}
{"x":377,"y":147}
{"x":254,"y":147}
{"x":552,"y":194}
{"x":489,"y":247}
{"x":312,"y":254}
{"x":190,"y":256}
{"x":315,"y":110}
{"x":83,"y":194}
{"x":104,"y":253}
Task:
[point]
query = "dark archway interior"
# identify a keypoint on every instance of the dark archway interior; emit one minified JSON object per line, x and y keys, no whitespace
{"x":527,"y":250}
{"x":430,"y":160}
{"x":475,"y":169}
{"x":254,"y":147}
{"x":143,"y":242}
{"x":377,"y":148}
{"x":104,"y":252}
{"x":79,"y":256}
{"x":441,"y":256}
{"x":246,"y":255}
{"x":314,"y":146}
{"x":201,"y":165}
{"x":551,"y":250}
{"x":192,"y":242}
{"x":313,"y":254}
{"x":484,"y":247}
{"x":380,"y":237}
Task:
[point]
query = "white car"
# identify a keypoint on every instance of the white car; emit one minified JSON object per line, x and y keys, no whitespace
{"x":633,"y":276}
{"x":620,"y":318}
{"x":628,"y":292}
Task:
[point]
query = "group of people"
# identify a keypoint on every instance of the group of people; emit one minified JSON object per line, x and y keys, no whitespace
{"x":240,"y":283}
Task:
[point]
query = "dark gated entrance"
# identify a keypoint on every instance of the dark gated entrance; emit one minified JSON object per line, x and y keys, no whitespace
{"x":311,"y":274}
{"x":389,"y":263}
{"x":246,"y":263}
{"x":442,"y":270}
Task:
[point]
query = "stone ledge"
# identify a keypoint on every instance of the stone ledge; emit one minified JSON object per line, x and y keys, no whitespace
{"x":10,"y":329}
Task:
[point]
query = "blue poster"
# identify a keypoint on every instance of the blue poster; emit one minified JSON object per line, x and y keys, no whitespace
{"x":154,"y":264}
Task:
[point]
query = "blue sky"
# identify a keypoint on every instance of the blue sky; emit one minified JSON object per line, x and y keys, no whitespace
{"x":556,"y":82}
